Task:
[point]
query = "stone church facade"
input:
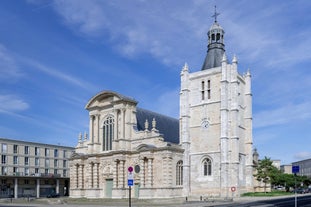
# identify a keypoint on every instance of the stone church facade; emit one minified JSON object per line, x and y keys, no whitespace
{"x":206,"y":152}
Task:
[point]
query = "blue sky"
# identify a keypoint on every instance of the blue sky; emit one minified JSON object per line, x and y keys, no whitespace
{"x":56,"y":55}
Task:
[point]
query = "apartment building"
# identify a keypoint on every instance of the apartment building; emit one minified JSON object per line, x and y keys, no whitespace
{"x":33,"y":169}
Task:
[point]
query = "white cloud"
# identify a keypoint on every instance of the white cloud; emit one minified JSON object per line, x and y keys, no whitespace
{"x":60,"y":75}
{"x":282,"y":115}
{"x":302,"y":155}
{"x":8,"y":68}
{"x":87,"y":16}
{"x":11,"y":103}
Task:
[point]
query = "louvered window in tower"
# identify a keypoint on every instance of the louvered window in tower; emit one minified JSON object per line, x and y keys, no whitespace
{"x":108,"y":129}
{"x":209,"y":89}
{"x":202,"y":90}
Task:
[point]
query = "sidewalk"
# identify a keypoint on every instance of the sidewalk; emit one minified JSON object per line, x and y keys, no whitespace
{"x":68,"y":202}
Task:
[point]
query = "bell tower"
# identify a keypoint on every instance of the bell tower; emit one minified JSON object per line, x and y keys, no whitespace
{"x":216,"y":46}
{"x":216,"y":123}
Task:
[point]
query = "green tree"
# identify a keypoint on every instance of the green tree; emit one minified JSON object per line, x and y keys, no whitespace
{"x":266,"y":172}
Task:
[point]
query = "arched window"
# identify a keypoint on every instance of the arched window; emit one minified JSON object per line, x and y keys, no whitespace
{"x":207,"y":167}
{"x":108,"y":129}
{"x":179,"y":173}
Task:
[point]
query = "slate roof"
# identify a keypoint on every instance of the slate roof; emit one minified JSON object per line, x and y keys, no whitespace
{"x":215,"y":50}
{"x":166,"y":125}
{"x":213,"y":57}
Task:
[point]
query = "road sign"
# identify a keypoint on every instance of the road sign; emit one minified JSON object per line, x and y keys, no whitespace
{"x":130,"y":182}
{"x":130,"y":176}
{"x":295,"y":169}
{"x":130,"y":169}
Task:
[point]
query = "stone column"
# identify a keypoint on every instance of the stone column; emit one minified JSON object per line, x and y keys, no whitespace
{"x":77,"y":176}
{"x":169,"y":171}
{"x":150,"y":172}
{"x":122,"y":174}
{"x":122,"y":129}
{"x":91,"y":183}
{"x":15,"y":188}
{"x":57,"y":185}
{"x":96,"y":183}
{"x":142,"y":172}
{"x":81,"y":176}
{"x":92,"y":129}
{"x":98,"y":128}
{"x":38,"y":187}
{"x":115,"y":174}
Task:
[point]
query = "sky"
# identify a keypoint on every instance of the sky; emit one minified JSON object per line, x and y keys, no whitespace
{"x":56,"y":55}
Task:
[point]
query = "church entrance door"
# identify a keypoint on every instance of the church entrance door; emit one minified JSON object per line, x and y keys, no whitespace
{"x":109,"y":185}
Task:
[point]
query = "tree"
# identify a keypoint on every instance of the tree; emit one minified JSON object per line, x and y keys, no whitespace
{"x":266,"y":172}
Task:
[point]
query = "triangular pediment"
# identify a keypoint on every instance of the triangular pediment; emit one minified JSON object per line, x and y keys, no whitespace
{"x":107,"y":98}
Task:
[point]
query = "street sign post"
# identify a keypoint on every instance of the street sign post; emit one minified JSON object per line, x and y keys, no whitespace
{"x":295,"y":170}
{"x":130,"y":182}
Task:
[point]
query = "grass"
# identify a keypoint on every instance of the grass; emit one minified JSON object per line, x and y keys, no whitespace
{"x":267,"y":194}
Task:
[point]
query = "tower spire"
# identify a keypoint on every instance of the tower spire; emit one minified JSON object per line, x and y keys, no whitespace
{"x":216,"y":14}
{"x":216,"y":46}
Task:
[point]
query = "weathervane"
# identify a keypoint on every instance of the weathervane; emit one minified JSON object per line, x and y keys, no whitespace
{"x":215,"y":14}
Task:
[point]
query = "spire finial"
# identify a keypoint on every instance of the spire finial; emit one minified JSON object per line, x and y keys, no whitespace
{"x":216,"y":14}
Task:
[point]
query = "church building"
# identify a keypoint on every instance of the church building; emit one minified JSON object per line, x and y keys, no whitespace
{"x":206,"y":152}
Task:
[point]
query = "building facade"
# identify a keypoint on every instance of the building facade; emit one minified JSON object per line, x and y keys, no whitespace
{"x":304,"y":167}
{"x":33,"y":169}
{"x":216,"y":124}
{"x":122,"y":135}
{"x":207,"y":152}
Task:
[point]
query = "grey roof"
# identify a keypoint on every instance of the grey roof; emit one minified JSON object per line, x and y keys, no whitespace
{"x":214,"y":56}
{"x":216,"y":49}
{"x":166,"y":125}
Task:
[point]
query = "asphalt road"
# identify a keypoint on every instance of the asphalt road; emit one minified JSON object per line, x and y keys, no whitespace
{"x":302,"y":201}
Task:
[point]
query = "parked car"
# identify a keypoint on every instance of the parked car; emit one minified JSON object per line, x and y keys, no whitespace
{"x":53,"y":195}
{"x":301,"y":191}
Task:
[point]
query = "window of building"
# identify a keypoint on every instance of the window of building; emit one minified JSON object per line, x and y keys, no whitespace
{"x":46,"y":152}
{"x":64,"y":173}
{"x":4,"y":148}
{"x":55,"y":172}
{"x":37,"y":161}
{"x":36,"y":170}
{"x":55,"y":163}
{"x":26,"y":160}
{"x":4,"y":170}
{"x":202,"y":90}
{"x":47,"y":163}
{"x":55,"y":152}
{"x":64,"y":153}
{"x":179,"y":173}
{"x":46,"y":171}
{"x":37,"y":151}
{"x":26,"y":150}
{"x":15,"y":148}
{"x":15,"y":160}
{"x":207,"y":167}
{"x":15,"y":170}
{"x":3,"y":159}
{"x":108,"y":129}
{"x":64,"y":163}
{"x":209,"y":89}
{"x":26,"y":171}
